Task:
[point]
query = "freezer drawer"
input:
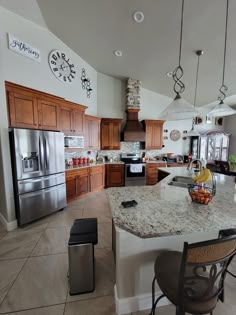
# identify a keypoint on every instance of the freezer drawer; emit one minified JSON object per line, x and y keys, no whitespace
{"x":34,"y":205}
{"x":34,"y":184}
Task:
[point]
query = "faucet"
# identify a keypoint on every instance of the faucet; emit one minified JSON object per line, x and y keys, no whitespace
{"x":190,"y":164}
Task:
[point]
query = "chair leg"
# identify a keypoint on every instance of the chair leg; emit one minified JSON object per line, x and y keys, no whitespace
{"x":231,"y":274}
{"x":178,"y":311}
{"x":154,"y":303}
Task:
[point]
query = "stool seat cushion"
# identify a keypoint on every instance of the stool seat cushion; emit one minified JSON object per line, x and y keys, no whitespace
{"x":167,"y":271}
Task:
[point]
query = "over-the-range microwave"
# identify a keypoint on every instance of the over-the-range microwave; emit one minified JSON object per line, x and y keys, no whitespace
{"x":74,"y":142}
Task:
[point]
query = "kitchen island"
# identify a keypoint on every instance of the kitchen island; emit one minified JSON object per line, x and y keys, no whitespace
{"x":164,"y":218}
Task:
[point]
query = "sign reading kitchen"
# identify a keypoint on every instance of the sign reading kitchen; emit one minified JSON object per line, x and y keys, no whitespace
{"x":23,"y":48}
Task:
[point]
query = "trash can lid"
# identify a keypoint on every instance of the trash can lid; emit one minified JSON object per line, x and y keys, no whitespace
{"x":84,"y":226}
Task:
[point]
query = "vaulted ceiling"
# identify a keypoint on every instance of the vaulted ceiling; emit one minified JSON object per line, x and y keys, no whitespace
{"x":95,"y":28}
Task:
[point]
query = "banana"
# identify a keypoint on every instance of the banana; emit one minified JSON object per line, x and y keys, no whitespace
{"x":205,"y":176}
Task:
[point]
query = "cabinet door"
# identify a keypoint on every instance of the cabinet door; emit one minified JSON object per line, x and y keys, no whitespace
{"x":151,"y":174}
{"x":23,"y":110}
{"x":78,"y":121}
{"x":94,"y":129}
{"x":83,"y":184}
{"x":157,"y":136}
{"x":86,"y":133}
{"x":66,"y":121}
{"x":105,"y":136}
{"x":48,"y":115}
{"x":114,"y":175}
{"x":149,"y":135}
{"x":71,"y":191}
{"x":97,"y":181}
{"x":115,"y":131}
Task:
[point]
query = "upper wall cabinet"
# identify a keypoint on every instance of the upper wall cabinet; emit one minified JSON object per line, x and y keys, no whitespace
{"x":28,"y":108}
{"x":72,"y":118}
{"x":110,"y":133}
{"x":92,"y":132}
{"x":154,"y":129}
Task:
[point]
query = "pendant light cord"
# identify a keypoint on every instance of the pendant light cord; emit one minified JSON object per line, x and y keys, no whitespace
{"x":224,"y":88}
{"x":196,"y":82}
{"x":178,"y":72}
{"x":181,"y":32}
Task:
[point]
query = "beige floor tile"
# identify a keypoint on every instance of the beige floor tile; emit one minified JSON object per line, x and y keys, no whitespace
{"x":99,"y":306}
{"x":65,"y":218}
{"x":2,"y":235}
{"x":105,"y":276}
{"x":9,"y":270}
{"x":18,"y":244}
{"x":52,"y":241}
{"x":2,"y":229}
{"x":102,"y":216}
{"x":41,"y":282}
{"x":104,"y":235}
{"x":51,"y":310}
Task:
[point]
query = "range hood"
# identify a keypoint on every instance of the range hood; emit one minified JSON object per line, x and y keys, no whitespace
{"x":133,"y":129}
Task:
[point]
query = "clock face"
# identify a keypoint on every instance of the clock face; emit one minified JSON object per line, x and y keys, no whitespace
{"x":61,"y":66}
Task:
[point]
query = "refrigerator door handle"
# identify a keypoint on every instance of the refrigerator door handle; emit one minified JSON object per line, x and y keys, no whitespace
{"x":46,"y":154}
{"x":41,"y":151}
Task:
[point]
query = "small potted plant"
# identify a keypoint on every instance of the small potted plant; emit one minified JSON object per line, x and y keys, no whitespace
{"x":232,"y":160}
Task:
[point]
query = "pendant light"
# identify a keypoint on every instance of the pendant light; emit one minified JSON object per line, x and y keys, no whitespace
{"x":192,"y":132}
{"x":179,"y":109}
{"x":222,"y":109}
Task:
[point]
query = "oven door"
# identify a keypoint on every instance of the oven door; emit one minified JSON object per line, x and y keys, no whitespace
{"x":134,"y":175}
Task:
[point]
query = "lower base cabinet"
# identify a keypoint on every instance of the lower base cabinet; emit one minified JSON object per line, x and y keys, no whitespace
{"x":152,"y":172}
{"x":115,"y":175}
{"x":80,"y":182}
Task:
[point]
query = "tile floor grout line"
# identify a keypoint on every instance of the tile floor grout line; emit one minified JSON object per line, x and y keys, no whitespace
{"x":29,"y":309}
{"x":20,"y":270}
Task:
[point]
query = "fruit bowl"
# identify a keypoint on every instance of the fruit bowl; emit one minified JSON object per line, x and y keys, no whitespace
{"x":201,"y":194}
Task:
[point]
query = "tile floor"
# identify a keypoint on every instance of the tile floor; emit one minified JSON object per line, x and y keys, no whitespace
{"x":33,"y":267}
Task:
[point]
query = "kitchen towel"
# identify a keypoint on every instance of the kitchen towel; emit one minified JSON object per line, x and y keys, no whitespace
{"x":136,"y":168}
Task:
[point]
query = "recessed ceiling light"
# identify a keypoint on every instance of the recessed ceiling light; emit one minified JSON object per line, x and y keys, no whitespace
{"x":138,"y":16}
{"x":169,"y":74}
{"x":118,"y":53}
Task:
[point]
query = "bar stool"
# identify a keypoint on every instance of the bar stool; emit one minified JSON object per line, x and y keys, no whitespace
{"x":193,"y":280}
{"x":226,"y":233}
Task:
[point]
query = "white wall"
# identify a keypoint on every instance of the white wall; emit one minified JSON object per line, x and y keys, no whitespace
{"x":18,"y":69}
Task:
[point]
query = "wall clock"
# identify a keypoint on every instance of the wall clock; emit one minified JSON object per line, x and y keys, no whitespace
{"x":175,"y":135}
{"x":61,"y":66}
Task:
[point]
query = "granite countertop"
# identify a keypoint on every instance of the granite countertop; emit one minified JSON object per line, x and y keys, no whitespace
{"x":75,"y":167}
{"x":164,"y":210}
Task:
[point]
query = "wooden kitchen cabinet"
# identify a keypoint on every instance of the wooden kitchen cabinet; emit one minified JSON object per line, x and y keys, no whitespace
{"x":32,"y":109}
{"x":82,"y":181}
{"x":72,"y":118}
{"x":77,"y":183}
{"x":152,"y":172}
{"x":28,"y":108}
{"x":49,"y":115}
{"x":92,"y":132}
{"x":154,"y":136}
{"x":110,"y":133}
{"x":115,"y":175}
{"x":97,"y":175}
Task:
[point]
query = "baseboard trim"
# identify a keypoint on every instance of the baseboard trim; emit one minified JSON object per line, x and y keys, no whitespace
{"x":9,"y":226}
{"x":136,"y":303}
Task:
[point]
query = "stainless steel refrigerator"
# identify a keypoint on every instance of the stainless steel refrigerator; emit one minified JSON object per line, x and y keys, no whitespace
{"x":38,"y":173}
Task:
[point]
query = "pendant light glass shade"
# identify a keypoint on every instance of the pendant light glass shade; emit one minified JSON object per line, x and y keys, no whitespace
{"x":179,"y":109}
{"x":221,"y":110}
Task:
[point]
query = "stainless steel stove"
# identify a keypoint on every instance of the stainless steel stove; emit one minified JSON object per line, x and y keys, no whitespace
{"x":135,"y":169}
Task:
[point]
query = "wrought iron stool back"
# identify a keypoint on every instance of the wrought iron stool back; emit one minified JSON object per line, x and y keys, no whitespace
{"x":199,"y":276}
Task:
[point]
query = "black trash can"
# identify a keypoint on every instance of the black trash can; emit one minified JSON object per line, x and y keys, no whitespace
{"x":83,"y":237}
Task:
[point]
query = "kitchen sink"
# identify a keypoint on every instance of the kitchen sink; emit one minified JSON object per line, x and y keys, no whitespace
{"x":181,"y":181}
